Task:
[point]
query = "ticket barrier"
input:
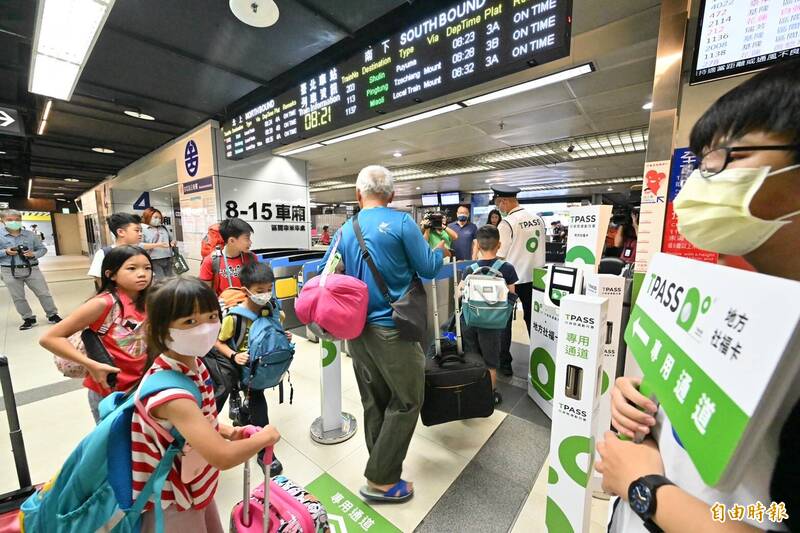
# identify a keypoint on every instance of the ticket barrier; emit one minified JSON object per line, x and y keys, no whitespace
{"x":309,"y":271}
{"x":286,"y":269}
{"x":264,"y":254}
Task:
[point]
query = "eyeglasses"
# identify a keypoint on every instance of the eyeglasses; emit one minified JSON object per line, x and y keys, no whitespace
{"x":717,"y":160}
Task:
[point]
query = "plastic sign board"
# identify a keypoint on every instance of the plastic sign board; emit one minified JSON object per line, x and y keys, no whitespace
{"x":347,"y":513}
{"x":544,"y":339}
{"x":654,"y":208}
{"x":588,"y":226}
{"x":582,"y":334}
{"x":718,"y":348}
{"x":142,"y":202}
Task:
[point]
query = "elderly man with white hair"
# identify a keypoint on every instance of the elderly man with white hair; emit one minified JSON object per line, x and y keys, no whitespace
{"x":20,"y":251}
{"x":390,"y":371}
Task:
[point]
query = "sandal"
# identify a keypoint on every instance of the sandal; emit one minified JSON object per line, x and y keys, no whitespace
{"x":398,"y":493}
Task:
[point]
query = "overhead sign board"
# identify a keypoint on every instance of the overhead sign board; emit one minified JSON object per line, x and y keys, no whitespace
{"x":718,"y":349}
{"x":739,"y":36}
{"x":10,"y":123}
{"x":471,"y":42}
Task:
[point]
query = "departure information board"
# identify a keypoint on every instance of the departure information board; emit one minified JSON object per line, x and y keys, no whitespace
{"x":469,"y":43}
{"x":738,"y":36}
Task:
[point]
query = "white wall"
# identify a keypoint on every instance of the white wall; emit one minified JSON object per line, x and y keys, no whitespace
{"x":122,"y":202}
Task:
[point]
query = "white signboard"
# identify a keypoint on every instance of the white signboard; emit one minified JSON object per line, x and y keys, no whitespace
{"x":588,"y":226}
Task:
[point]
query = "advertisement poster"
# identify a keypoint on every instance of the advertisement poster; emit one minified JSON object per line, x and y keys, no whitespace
{"x":699,"y":333}
{"x":654,"y":207}
{"x":588,"y":226}
{"x":198,"y":211}
{"x":683,"y":163}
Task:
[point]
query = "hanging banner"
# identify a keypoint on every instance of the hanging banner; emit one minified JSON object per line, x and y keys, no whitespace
{"x":651,"y":217}
{"x":588,"y":226}
{"x":683,"y":163}
{"x":719,"y":353}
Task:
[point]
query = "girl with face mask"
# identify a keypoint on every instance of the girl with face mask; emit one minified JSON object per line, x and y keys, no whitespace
{"x":157,"y":240}
{"x":182,"y":326}
{"x":744,"y":200}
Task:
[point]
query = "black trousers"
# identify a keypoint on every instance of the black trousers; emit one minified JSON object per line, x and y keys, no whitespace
{"x":525,"y":294}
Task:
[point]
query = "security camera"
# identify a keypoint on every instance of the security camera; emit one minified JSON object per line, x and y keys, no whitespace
{"x":571,"y":148}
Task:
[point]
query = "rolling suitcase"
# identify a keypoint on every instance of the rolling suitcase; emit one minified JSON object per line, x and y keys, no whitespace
{"x":277,"y":506}
{"x":457,"y":384}
{"x":10,"y":502}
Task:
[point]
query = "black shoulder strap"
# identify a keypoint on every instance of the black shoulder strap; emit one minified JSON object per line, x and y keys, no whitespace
{"x":368,"y":258}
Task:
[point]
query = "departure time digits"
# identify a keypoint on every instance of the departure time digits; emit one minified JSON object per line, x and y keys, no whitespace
{"x":317,"y":118}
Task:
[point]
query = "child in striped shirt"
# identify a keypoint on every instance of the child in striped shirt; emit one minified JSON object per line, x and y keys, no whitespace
{"x":182,"y":325}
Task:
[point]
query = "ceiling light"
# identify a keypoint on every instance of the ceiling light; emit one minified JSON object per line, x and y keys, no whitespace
{"x":137,"y":114}
{"x":257,"y":13}
{"x":42,"y":125}
{"x":101,"y":150}
{"x":2,"y":152}
{"x":30,"y":184}
{"x":648,"y":106}
{"x":47,"y":107}
{"x":8,"y":186}
{"x":71,"y":180}
{"x":418,"y":188}
{"x":165,"y":186}
{"x":397,"y":154}
{"x":463,"y":170}
{"x":610,"y":189}
{"x":58,"y":194}
{"x":327,"y":183}
{"x":66,"y":31}
{"x":421,"y":116}
{"x":298,"y":150}
{"x":350,"y":136}
{"x":564,"y":75}
{"x":4,"y":194}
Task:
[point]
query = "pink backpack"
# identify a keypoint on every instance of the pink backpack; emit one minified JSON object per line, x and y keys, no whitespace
{"x":334,"y":303}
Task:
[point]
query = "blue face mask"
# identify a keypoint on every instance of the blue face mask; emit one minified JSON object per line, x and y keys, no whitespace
{"x":463,"y":218}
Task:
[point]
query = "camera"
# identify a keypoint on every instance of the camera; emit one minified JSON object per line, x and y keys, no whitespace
{"x":21,"y":249}
{"x":433,"y":220}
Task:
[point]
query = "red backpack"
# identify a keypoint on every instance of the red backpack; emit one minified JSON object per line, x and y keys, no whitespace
{"x":211,"y":241}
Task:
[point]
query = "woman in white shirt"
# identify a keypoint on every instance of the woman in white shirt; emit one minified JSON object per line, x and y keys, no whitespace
{"x":154,"y":232}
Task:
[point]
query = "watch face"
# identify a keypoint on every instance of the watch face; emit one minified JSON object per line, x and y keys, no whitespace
{"x":640,"y":497}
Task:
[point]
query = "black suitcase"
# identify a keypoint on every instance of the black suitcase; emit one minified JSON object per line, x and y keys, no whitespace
{"x":457,"y":385}
{"x":10,"y":502}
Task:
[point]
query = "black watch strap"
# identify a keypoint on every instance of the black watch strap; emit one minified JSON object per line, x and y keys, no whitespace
{"x":653,"y":482}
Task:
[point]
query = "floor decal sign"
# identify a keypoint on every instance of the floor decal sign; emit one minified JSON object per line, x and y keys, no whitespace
{"x":347,"y":513}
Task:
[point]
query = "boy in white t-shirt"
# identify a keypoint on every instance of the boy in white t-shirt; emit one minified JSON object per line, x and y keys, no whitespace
{"x":126,"y":229}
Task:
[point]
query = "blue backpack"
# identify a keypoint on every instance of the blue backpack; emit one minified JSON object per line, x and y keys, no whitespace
{"x":270,"y":351}
{"x":94,"y":489}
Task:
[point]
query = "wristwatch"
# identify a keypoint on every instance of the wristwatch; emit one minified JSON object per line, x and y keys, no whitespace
{"x":642,"y":499}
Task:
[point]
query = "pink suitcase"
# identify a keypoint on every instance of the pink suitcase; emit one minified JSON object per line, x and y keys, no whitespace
{"x":282,"y":508}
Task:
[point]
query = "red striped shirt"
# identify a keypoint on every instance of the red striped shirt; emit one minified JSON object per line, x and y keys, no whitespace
{"x":149,"y":444}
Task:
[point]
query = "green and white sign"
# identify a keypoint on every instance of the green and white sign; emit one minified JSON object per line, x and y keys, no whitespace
{"x":588,"y":226}
{"x":544,"y":338}
{"x":347,"y":513}
{"x":581,"y":338}
{"x":719,"y":349}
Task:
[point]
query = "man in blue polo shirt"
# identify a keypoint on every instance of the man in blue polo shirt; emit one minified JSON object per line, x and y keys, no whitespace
{"x":390,"y":371}
{"x":466,"y":231}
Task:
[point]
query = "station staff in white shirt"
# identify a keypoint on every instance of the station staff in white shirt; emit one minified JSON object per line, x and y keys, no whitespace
{"x":522,"y":243}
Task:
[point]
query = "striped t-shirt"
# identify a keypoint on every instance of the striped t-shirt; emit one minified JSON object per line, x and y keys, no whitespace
{"x":149,"y":444}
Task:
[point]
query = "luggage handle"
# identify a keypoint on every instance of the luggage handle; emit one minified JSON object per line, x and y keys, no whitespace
{"x":14,"y":430}
{"x":450,"y":358}
{"x":249,"y":431}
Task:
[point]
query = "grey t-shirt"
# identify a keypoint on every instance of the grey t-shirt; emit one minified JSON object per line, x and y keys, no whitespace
{"x":154,"y":234}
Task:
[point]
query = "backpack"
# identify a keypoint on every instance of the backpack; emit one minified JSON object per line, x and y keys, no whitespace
{"x":271,"y":353}
{"x":93,"y":491}
{"x":109,"y":317}
{"x":485,"y":297}
{"x":216,"y":258}
{"x":212,"y":241}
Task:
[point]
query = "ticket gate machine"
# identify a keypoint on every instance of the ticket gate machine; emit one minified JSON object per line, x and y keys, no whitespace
{"x":287,"y":268}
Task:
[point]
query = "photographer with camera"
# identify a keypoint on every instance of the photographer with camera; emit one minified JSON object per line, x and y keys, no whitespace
{"x":435,"y":231}
{"x":19,"y":260}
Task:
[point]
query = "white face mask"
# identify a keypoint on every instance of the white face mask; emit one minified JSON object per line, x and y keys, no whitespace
{"x":714,"y":213}
{"x":155,"y":221}
{"x":260,"y":299}
{"x":194,"y":342}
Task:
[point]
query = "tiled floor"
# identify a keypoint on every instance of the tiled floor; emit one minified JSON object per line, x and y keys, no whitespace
{"x":53,"y":421}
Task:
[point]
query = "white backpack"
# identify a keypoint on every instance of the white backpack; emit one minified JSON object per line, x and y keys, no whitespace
{"x":485,"y":297}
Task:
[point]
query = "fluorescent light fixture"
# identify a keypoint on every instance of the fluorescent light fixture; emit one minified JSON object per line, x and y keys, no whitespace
{"x":101,"y":150}
{"x":42,"y":125}
{"x":47,"y":108}
{"x":58,"y":194}
{"x":30,"y":184}
{"x":66,"y":31}
{"x":350,"y":136}
{"x":420,"y":116}
{"x":2,"y":152}
{"x":137,"y":114}
{"x":4,"y":194}
{"x":299,"y":150}
{"x":397,"y":154}
{"x":8,"y":187}
{"x":648,"y":106}
{"x":462,"y":170}
{"x":165,"y":186}
{"x":564,"y":75}
{"x":418,"y":188}
{"x":71,"y":180}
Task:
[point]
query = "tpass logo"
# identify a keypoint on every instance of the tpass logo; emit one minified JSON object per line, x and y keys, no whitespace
{"x":588,"y":320}
{"x":688,"y":304}
{"x":583,"y":219}
{"x":191,"y":158}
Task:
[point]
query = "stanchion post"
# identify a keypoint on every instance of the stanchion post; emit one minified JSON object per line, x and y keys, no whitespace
{"x":334,"y":425}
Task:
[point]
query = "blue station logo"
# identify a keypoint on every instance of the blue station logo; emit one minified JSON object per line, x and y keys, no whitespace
{"x":191,"y":158}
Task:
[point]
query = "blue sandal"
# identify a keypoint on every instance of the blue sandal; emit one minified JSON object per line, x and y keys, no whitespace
{"x":397,"y":493}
